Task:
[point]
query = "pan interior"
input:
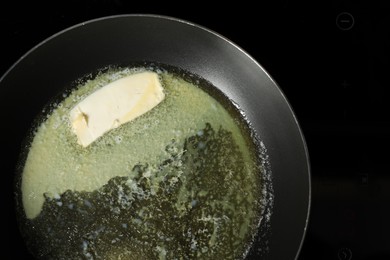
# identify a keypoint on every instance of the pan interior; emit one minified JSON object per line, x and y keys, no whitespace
{"x":188,"y":183}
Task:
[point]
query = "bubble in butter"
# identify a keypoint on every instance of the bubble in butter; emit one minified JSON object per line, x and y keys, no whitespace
{"x":181,"y":181}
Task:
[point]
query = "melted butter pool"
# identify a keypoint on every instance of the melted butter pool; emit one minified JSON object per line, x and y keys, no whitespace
{"x":180,"y":182}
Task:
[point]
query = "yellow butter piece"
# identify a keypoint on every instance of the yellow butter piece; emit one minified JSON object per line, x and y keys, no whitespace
{"x":115,"y":104}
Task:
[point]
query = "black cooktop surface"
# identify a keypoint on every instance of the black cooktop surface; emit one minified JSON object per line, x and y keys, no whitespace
{"x":330,"y":59}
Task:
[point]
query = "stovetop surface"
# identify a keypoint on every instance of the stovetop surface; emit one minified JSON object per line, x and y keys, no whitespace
{"x":330,"y":59}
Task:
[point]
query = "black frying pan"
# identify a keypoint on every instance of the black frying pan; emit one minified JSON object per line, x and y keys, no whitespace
{"x":85,"y":48}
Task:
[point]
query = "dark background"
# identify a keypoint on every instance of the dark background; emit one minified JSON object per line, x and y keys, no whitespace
{"x":333,"y":72}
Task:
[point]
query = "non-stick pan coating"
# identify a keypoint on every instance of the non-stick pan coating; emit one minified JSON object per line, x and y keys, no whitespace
{"x":49,"y":67}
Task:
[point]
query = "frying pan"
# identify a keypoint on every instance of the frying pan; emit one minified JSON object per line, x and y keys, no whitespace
{"x":52,"y":65}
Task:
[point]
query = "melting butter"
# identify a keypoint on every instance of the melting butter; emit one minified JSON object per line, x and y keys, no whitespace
{"x":115,"y":104}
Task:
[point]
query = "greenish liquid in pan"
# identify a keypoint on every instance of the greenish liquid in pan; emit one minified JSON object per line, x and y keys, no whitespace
{"x":180,"y":182}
